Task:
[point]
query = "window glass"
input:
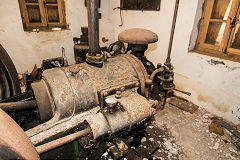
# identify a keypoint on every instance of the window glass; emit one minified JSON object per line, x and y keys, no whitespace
{"x":53,"y":15}
{"x":153,"y":5}
{"x":51,"y":1}
{"x":215,"y":33}
{"x":31,"y":1}
{"x":221,"y":9}
{"x":236,"y":38}
{"x":34,"y":15}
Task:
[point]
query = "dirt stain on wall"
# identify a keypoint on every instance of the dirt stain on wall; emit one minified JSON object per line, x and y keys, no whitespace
{"x":219,"y":106}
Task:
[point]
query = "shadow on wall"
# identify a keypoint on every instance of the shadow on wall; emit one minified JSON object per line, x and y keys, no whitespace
{"x":151,"y":47}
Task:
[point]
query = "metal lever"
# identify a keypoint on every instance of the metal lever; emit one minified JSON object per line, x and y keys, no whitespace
{"x":120,"y":15}
{"x":184,"y":92}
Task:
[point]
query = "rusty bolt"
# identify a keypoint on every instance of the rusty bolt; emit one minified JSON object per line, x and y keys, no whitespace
{"x":118,"y":94}
{"x":159,"y":65}
{"x":148,"y":82}
{"x":154,"y":103}
{"x":122,"y":89}
{"x":105,"y":93}
{"x":74,"y":69}
{"x":148,"y":64}
{"x":105,"y":110}
{"x":137,"y":84}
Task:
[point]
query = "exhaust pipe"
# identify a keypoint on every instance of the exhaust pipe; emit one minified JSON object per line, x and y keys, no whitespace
{"x":94,"y":56}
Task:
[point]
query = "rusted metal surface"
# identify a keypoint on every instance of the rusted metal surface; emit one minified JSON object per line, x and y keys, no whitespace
{"x":137,"y":107}
{"x":74,"y":94}
{"x":117,"y":71}
{"x":18,"y":106}
{"x":94,"y":56}
{"x":99,"y":126}
{"x":44,"y":100}
{"x":148,"y":87}
{"x":168,"y":60}
{"x":95,"y":60}
{"x":115,"y":87}
{"x":74,"y":69}
{"x":159,"y":70}
{"x":165,"y":76}
{"x":141,"y":71}
{"x":54,"y":129}
{"x":26,"y":96}
{"x":133,"y":110}
{"x":61,"y":141}
{"x":117,"y":148}
{"x":93,"y":27}
{"x":14,"y":144}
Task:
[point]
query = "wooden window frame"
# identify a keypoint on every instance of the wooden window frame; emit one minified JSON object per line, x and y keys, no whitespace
{"x":44,"y":25}
{"x":224,"y":50}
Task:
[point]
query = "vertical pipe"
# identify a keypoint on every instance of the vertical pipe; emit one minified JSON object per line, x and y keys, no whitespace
{"x":93,"y":27}
{"x":168,"y":60}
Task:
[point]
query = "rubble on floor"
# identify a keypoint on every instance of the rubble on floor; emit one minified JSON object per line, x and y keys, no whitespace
{"x":176,"y":134}
{"x":172,"y":134}
{"x":191,"y":133}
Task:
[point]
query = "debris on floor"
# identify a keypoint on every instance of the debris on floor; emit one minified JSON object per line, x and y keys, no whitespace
{"x":183,"y":104}
{"x":216,"y":128}
{"x":179,"y":135}
{"x":173,"y":134}
{"x":238,"y":127}
{"x":227,"y":126}
{"x":191,"y":133}
{"x":148,"y":143}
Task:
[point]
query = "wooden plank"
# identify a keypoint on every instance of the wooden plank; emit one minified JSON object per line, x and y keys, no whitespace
{"x":183,"y":104}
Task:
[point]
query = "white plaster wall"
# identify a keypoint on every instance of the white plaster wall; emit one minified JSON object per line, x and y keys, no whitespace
{"x":214,"y":87}
{"x":29,"y":48}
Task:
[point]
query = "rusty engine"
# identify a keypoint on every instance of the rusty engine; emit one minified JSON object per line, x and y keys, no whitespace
{"x":102,"y":97}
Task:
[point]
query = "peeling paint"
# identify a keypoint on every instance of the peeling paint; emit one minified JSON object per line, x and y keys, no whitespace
{"x":217,"y":62}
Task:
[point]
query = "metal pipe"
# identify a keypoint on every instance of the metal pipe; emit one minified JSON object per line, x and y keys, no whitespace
{"x":168,"y":60}
{"x":159,"y":70}
{"x":20,"y":97}
{"x":93,"y":27}
{"x":18,"y":106}
{"x":61,"y":141}
{"x":184,"y":92}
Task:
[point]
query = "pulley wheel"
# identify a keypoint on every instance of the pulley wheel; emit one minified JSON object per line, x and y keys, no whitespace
{"x":9,"y":82}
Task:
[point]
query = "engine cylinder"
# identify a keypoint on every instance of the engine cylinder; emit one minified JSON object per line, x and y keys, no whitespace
{"x":78,"y":88}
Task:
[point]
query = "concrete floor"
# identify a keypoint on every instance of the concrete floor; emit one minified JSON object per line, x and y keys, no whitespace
{"x":185,"y":136}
